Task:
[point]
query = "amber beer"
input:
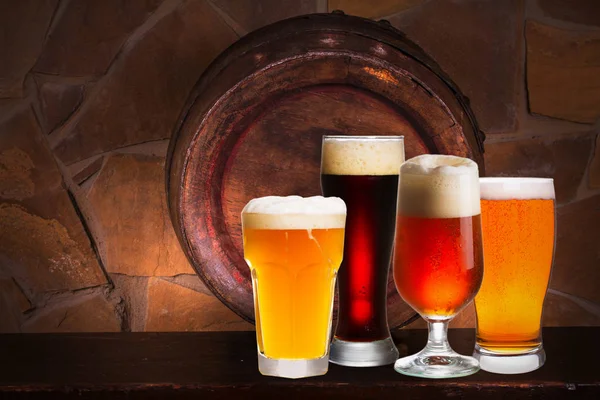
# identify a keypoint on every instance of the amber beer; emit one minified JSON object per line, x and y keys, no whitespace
{"x":363,"y":170}
{"x":519,"y":230}
{"x":438,"y":256}
{"x":294,"y":248}
{"x":442,"y":263}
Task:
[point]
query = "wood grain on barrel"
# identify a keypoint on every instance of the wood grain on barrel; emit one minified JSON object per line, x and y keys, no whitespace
{"x":254,"y":122}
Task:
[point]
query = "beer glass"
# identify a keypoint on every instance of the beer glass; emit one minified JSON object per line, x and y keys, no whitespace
{"x":294,"y":247}
{"x":363,"y":171}
{"x":519,"y":232}
{"x":438,"y":258}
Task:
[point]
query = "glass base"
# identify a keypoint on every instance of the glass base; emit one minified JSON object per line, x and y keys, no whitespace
{"x":428,"y":365}
{"x":510,"y":363}
{"x":363,"y":354}
{"x":294,"y":369}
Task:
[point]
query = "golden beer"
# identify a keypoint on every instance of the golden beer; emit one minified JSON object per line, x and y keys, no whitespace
{"x":518,"y":224}
{"x":294,"y":248}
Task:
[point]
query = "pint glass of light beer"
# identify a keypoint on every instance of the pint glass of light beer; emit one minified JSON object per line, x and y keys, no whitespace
{"x":294,"y":248}
{"x":363,"y":171}
{"x":438,"y":257}
{"x":518,"y":233}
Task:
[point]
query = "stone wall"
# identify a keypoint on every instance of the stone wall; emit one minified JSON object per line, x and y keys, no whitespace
{"x":90,"y":90}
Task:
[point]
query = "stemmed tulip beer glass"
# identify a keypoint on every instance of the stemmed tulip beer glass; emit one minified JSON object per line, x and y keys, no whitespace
{"x":438,"y":259}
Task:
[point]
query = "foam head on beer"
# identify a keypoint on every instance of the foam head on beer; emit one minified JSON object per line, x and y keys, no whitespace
{"x":517,"y":189}
{"x":373,"y":156}
{"x":294,"y":212}
{"x":439,"y":186}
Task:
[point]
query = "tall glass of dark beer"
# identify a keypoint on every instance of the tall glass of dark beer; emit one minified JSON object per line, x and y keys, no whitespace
{"x":363,"y":171}
{"x":438,"y":258}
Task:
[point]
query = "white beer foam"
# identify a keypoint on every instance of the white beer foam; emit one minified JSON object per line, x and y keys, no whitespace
{"x":294,"y":212}
{"x":362,"y":156}
{"x":439,"y":186}
{"x":517,"y":188}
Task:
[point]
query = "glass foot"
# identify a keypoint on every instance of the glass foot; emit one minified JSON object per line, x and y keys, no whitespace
{"x":363,"y":354}
{"x":294,"y":369}
{"x":426,"y":365}
{"x":510,"y":363}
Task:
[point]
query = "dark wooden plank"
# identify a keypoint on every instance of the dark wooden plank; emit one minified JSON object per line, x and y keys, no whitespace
{"x":224,"y":365}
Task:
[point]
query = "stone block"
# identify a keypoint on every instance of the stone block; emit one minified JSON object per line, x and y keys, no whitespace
{"x":478,"y":43}
{"x":577,"y":259}
{"x":76,"y":313}
{"x":594,"y":169}
{"x":133,"y":291}
{"x":564,"y":159}
{"x":23,"y":26}
{"x":141,"y":96}
{"x":15,"y":175}
{"x":560,"y":310}
{"x":253,"y":15}
{"x":85,"y":173}
{"x":130,"y":212}
{"x":41,"y":255}
{"x":585,"y":12}
{"x":88,"y":35}
{"x":563,"y":72}
{"x":175,"y":308}
{"x":189,"y":281}
{"x":58,"y":101}
{"x":372,"y":9}
{"x":13,"y":303}
{"x":43,"y":243}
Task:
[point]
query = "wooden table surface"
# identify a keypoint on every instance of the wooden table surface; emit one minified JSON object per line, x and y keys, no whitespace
{"x":223,"y":365}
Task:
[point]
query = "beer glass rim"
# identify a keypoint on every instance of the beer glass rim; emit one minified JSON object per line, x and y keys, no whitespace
{"x":359,"y":138}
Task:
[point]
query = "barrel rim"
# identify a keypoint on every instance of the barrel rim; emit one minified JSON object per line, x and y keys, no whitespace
{"x":347,"y":25}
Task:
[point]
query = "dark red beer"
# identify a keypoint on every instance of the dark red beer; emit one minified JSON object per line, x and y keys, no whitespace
{"x":363,"y":275}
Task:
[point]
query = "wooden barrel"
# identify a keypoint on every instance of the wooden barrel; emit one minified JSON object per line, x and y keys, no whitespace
{"x":254,"y":121}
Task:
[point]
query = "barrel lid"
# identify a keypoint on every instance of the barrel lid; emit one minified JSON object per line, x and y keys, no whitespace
{"x":253,"y":125}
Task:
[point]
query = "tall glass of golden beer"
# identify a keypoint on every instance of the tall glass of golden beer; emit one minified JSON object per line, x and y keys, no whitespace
{"x":438,"y":257}
{"x":294,"y":248}
{"x":519,"y":232}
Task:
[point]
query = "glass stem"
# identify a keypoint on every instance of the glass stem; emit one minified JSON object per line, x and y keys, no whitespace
{"x":437,"y":341}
